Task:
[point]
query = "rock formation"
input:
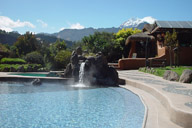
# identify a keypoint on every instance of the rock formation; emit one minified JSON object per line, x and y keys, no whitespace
{"x":96,"y":70}
{"x":186,"y":76}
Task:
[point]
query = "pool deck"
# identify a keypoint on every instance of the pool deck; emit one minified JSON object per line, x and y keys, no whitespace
{"x":169,"y":103}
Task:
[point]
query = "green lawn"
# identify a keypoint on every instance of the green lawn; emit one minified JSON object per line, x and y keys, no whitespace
{"x":160,"y":71}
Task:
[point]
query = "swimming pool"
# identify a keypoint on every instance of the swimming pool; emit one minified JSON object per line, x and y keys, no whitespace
{"x":36,"y":74}
{"x":55,"y":105}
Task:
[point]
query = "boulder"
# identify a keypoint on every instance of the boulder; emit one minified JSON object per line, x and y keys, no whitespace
{"x":79,"y":51}
{"x":20,"y":69}
{"x":36,"y":82}
{"x":68,"y":71}
{"x":186,"y":76}
{"x":98,"y":72}
{"x":171,"y":75}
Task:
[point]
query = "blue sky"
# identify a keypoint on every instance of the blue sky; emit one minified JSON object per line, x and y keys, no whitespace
{"x":51,"y":16}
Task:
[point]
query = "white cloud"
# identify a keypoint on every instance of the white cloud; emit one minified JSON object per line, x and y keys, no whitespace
{"x":149,"y":19}
{"x":62,"y":28}
{"x":8,"y":24}
{"x":43,"y":24}
{"x":73,"y":26}
{"x":76,"y":26}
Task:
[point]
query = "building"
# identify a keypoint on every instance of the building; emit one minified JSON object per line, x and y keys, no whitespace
{"x":150,"y":45}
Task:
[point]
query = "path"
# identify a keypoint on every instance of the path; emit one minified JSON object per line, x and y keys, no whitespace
{"x":175,"y":97}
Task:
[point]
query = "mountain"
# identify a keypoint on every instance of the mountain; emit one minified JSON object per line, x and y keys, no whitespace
{"x":11,"y":37}
{"x":71,"y":35}
{"x":49,"y":38}
{"x":78,"y":34}
{"x":137,"y":23}
{"x":8,"y":37}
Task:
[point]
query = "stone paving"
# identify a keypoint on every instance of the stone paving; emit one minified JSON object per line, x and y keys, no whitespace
{"x":172,"y":87}
{"x":174,"y":96}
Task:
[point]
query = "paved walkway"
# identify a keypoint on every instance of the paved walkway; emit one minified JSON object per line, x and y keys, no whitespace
{"x":174,"y":96}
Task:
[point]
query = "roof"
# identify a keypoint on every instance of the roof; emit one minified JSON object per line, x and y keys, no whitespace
{"x":139,"y":36}
{"x":148,"y":27}
{"x":174,"y":24}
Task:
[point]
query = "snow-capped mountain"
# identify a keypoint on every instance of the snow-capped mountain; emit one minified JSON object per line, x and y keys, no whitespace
{"x":137,"y":22}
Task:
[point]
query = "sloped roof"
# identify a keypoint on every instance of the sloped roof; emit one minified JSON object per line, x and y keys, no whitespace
{"x":148,"y":27}
{"x":174,"y":24}
{"x":139,"y":36}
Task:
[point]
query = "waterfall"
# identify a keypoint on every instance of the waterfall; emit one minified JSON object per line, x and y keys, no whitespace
{"x":81,"y":72}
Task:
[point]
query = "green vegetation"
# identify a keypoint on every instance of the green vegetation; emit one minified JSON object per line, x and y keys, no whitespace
{"x":112,"y":45}
{"x":120,"y":38}
{"x":160,"y":71}
{"x":26,"y":44}
{"x":29,"y":49}
{"x":62,"y":59}
{"x":16,"y":66}
{"x":172,"y":42}
{"x":34,"y":58}
{"x":12,"y":61}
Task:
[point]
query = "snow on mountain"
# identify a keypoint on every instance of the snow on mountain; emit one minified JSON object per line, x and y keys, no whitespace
{"x":135,"y":22}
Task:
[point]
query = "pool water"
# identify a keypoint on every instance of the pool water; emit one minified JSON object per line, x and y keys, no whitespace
{"x":30,"y":74}
{"x":35,"y":74}
{"x":61,"y":106}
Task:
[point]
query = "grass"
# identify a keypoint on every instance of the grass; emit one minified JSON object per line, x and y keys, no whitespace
{"x":160,"y":71}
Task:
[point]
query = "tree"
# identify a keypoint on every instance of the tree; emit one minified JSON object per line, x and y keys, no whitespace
{"x":120,"y":38}
{"x":101,"y":42}
{"x":60,"y":45}
{"x":4,"y":51}
{"x":62,"y":59}
{"x":172,"y":42}
{"x":34,"y":58}
{"x":26,"y":44}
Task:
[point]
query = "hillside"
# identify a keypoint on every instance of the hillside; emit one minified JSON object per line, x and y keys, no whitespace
{"x":11,"y":37}
{"x":48,"y":38}
{"x":8,"y":37}
{"x":78,"y":34}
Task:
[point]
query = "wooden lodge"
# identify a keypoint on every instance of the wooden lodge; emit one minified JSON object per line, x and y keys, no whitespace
{"x":150,"y":45}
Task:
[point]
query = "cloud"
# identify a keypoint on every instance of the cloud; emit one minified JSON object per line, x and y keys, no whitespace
{"x":8,"y":24}
{"x":62,"y":28}
{"x":149,"y":19}
{"x":43,"y":24}
{"x":76,"y":26}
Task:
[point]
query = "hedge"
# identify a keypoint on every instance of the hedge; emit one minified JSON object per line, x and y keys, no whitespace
{"x":12,"y":61}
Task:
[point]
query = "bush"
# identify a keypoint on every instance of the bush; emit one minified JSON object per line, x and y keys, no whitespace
{"x":12,"y":61}
{"x":34,"y":58}
{"x":7,"y":67}
{"x":62,"y":59}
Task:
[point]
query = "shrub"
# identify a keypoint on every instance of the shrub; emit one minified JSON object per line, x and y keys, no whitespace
{"x":62,"y":59}
{"x":7,"y":67}
{"x":12,"y":61}
{"x":34,"y":58}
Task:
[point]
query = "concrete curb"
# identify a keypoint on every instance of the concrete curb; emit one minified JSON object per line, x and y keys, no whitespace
{"x":177,"y":116}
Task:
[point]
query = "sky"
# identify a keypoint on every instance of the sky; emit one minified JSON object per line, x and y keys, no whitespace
{"x":50,"y":16}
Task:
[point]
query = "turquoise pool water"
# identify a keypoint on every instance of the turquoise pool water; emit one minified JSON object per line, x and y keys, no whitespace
{"x":35,"y":74}
{"x":61,"y":106}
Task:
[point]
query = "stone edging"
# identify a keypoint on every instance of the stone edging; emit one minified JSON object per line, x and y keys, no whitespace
{"x":177,"y":116}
